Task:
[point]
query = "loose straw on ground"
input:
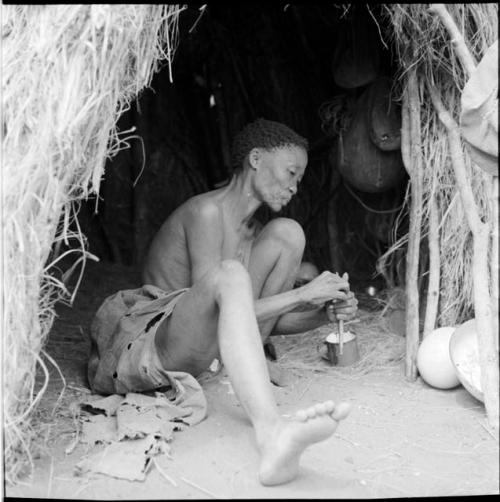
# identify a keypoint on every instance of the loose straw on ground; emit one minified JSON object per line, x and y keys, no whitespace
{"x":379,"y":348}
{"x":204,"y":490}
{"x":164,"y":474}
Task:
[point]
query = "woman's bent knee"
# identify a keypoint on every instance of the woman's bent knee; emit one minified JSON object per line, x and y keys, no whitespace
{"x":288,"y":232}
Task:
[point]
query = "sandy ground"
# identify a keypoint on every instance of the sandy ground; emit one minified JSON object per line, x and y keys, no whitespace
{"x":402,"y":439}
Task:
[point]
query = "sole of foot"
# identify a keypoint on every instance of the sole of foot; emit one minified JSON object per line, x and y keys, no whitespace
{"x":281,"y":456}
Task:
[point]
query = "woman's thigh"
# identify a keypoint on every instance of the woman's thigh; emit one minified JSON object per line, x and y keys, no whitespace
{"x":187,"y":340}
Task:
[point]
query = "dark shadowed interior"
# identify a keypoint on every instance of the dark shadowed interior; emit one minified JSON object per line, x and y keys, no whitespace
{"x":309,"y":66}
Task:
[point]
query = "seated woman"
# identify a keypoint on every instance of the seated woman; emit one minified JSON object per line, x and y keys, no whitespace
{"x":227,"y":284}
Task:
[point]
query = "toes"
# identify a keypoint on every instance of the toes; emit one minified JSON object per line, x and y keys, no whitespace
{"x":337,"y":412}
{"x":311,"y":412}
{"x":341,"y":411}
{"x":321,"y":409}
{"x":330,"y":406}
{"x":308,"y":413}
{"x":301,"y":415}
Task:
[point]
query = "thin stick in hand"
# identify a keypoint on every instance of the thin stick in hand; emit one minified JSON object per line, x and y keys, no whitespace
{"x":341,"y":336}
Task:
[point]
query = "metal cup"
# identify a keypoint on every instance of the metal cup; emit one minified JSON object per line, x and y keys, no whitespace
{"x":350,"y":352}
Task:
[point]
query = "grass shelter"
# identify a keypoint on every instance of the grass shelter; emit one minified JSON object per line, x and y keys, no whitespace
{"x":113,"y":115}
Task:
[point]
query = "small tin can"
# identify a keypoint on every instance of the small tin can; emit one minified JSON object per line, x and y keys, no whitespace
{"x":350,"y":352}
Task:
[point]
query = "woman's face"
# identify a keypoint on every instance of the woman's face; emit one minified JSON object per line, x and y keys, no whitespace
{"x":278,"y":173}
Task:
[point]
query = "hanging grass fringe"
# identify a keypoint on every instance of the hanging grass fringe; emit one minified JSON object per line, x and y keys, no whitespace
{"x":68,"y":73}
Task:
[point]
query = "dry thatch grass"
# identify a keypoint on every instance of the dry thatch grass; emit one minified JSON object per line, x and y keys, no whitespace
{"x":68,"y":72}
{"x":422,"y":41}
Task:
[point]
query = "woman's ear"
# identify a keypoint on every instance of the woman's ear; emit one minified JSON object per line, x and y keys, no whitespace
{"x":254,"y":158}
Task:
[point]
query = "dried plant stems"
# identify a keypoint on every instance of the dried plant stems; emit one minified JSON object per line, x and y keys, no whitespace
{"x":413,"y":25}
{"x":431,"y":309}
{"x":488,"y":355}
{"x":457,"y":38}
{"x":411,"y":129}
{"x":379,"y":348}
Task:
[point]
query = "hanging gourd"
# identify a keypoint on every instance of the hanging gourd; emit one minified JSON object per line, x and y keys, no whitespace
{"x":361,"y":162}
{"x":385,"y":116}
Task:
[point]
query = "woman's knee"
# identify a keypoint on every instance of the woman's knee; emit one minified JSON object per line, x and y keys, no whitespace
{"x":288,"y":232}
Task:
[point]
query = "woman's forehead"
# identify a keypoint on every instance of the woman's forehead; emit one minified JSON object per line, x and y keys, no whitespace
{"x":291,"y":154}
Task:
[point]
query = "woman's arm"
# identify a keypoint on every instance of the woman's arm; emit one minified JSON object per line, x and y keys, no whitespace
{"x":298,"y":322}
{"x":327,"y":286}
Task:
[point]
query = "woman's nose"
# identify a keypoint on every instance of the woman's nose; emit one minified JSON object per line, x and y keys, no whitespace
{"x":293,"y":189}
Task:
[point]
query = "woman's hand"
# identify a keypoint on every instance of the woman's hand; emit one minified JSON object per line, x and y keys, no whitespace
{"x":325,"y":287}
{"x":343,"y":309}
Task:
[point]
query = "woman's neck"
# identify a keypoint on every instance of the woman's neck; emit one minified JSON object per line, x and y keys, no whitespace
{"x":240,"y":198}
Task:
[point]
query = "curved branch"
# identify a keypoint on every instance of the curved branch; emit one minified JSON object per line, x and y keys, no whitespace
{"x":457,"y":38}
{"x":457,"y":161}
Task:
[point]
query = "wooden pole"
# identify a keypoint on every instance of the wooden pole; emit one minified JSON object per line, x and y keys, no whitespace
{"x":488,"y":353}
{"x":336,"y":262}
{"x":434,"y":268}
{"x":412,"y":158}
{"x":494,"y":267}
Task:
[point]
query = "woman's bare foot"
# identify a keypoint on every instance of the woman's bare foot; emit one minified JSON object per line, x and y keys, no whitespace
{"x":282,"y":446}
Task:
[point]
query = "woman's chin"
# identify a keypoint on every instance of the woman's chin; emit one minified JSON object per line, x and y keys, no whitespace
{"x":276,"y":207}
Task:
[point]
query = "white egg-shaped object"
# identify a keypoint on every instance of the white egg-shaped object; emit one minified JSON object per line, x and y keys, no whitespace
{"x":464,"y":353}
{"x":433,"y":359}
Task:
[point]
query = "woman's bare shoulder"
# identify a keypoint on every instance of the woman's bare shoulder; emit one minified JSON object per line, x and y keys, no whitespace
{"x":204,"y":207}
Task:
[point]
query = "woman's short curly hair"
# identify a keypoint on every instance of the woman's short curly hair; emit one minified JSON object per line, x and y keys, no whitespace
{"x":266,"y":134}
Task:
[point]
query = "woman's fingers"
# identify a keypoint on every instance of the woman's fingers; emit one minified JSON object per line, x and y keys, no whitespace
{"x":345,"y":309}
{"x":348,"y":301}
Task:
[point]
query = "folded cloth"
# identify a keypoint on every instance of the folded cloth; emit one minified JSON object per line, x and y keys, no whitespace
{"x":479,"y":117}
{"x":124,"y":357}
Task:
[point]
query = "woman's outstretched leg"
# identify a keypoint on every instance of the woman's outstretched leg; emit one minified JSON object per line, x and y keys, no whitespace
{"x":217,"y":316}
{"x":280,"y":441}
